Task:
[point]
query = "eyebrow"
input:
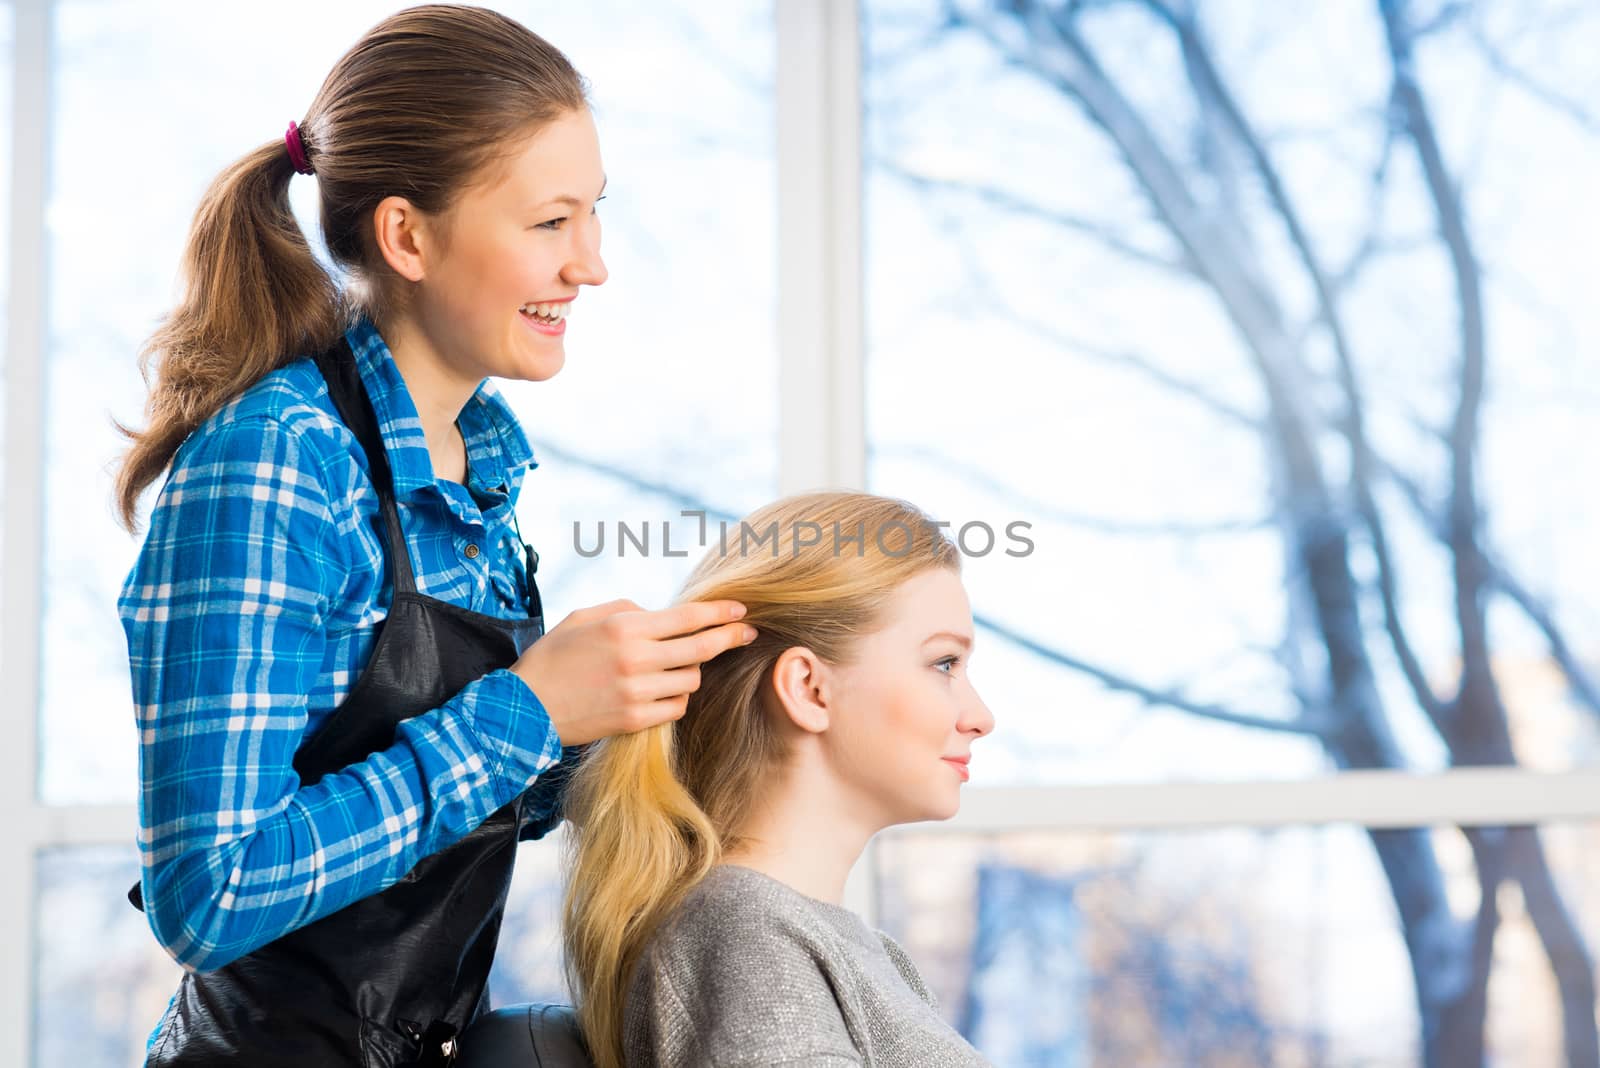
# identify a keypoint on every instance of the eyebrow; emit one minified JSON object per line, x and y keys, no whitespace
{"x":960,"y":639}
{"x":572,"y":201}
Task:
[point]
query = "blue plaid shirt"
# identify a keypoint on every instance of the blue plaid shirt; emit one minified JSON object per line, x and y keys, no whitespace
{"x":251,"y":611}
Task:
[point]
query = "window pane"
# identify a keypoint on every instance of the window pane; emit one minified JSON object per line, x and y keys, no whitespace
{"x":1241,"y":947}
{"x":527,"y":963}
{"x":1087,"y":311}
{"x":102,"y":980}
{"x":628,"y":431}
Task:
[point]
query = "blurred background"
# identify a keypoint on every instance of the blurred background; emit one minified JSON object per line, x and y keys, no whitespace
{"x":1274,"y":322}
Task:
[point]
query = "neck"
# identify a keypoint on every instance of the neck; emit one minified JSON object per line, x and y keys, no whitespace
{"x":439,"y":393}
{"x":805,"y":833}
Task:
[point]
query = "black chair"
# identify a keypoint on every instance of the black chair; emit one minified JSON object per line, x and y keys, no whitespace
{"x":525,"y":1036}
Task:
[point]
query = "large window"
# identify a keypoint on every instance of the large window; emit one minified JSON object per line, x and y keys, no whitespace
{"x":1270,"y":320}
{"x":1281,"y":353}
{"x":1247,"y":348}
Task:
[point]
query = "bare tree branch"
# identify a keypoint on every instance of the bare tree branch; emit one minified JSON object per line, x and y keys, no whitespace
{"x":1038,"y":507}
{"x":1043,"y":41}
{"x":1447,"y":16}
{"x":1501,"y":64}
{"x":1463,"y":513}
{"x":1372,"y":244}
{"x":1306,"y":725}
{"x":929,"y":35}
{"x":634,"y":481}
{"x":1133,"y":361}
{"x":978,"y":283}
{"x":1562,"y":938}
{"x":1016,"y":205}
{"x":1481,"y":730}
{"x":1584,"y":687}
{"x":1198,"y":57}
{"x":1430,"y":514}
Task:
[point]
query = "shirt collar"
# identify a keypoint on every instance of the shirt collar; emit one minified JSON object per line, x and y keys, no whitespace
{"x":498,"y":452}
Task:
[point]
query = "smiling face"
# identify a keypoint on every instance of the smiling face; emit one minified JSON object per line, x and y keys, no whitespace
{"x":513,"y":251}
{"x":903,"y":713}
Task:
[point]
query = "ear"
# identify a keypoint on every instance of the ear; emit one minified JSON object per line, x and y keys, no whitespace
{"x":800,"y":683}
{"x":400,"y":230}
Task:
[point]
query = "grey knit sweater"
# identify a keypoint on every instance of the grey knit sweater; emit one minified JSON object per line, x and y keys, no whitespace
{"x":747,"y":971}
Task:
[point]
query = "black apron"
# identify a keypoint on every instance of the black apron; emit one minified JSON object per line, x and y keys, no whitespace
{"x":394,"y":978}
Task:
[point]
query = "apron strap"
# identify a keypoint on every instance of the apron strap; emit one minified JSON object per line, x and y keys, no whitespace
{"x":338,"y":367}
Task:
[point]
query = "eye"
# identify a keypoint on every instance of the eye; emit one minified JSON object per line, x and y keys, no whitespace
{"x":952,"y":661}
{"x":555,"y":224}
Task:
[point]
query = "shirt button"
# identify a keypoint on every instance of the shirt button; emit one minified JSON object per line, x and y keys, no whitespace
{"x":472,"y":552}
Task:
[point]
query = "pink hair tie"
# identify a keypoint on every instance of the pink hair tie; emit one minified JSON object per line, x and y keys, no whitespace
{"x":297,"y":151}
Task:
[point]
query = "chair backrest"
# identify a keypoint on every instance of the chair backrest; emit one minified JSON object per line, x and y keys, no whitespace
{"x":525,"y":1036}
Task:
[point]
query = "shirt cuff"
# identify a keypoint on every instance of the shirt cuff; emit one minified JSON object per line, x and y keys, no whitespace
{"x":514,"y":730}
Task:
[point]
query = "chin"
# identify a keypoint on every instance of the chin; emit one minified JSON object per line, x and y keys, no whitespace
{"x":539,"y":366}
{"x":942,"y":809}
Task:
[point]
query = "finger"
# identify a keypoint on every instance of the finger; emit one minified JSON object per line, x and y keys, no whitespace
{"x":664,"y":685}
{"x":658,"y":712}
{"x":687,"y":618}
{"x":696,"y":649}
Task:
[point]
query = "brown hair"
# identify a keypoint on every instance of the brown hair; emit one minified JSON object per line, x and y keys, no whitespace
{"x":652,"y":812}
{"x":422,"y":107}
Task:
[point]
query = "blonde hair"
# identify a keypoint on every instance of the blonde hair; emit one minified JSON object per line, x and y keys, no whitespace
{"x":424,"y":105}
{"x":651,"y":813}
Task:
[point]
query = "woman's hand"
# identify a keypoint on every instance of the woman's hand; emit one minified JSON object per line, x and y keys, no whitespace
{"x":616,"y":668}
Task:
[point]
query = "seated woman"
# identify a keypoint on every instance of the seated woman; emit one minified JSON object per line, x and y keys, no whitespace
{"x":708,"y":856}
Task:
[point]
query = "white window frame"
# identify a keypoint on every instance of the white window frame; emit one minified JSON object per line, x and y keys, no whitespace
{"x":21,"y":539}
{"x":823,"y":444}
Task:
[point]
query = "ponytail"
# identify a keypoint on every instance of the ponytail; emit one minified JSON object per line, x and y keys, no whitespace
{"x":253,"y":298}
{"x":640,"y":844}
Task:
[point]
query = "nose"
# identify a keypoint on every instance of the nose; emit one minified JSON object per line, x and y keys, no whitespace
{"x":585,"y":267}
{"x":975,"y":718}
